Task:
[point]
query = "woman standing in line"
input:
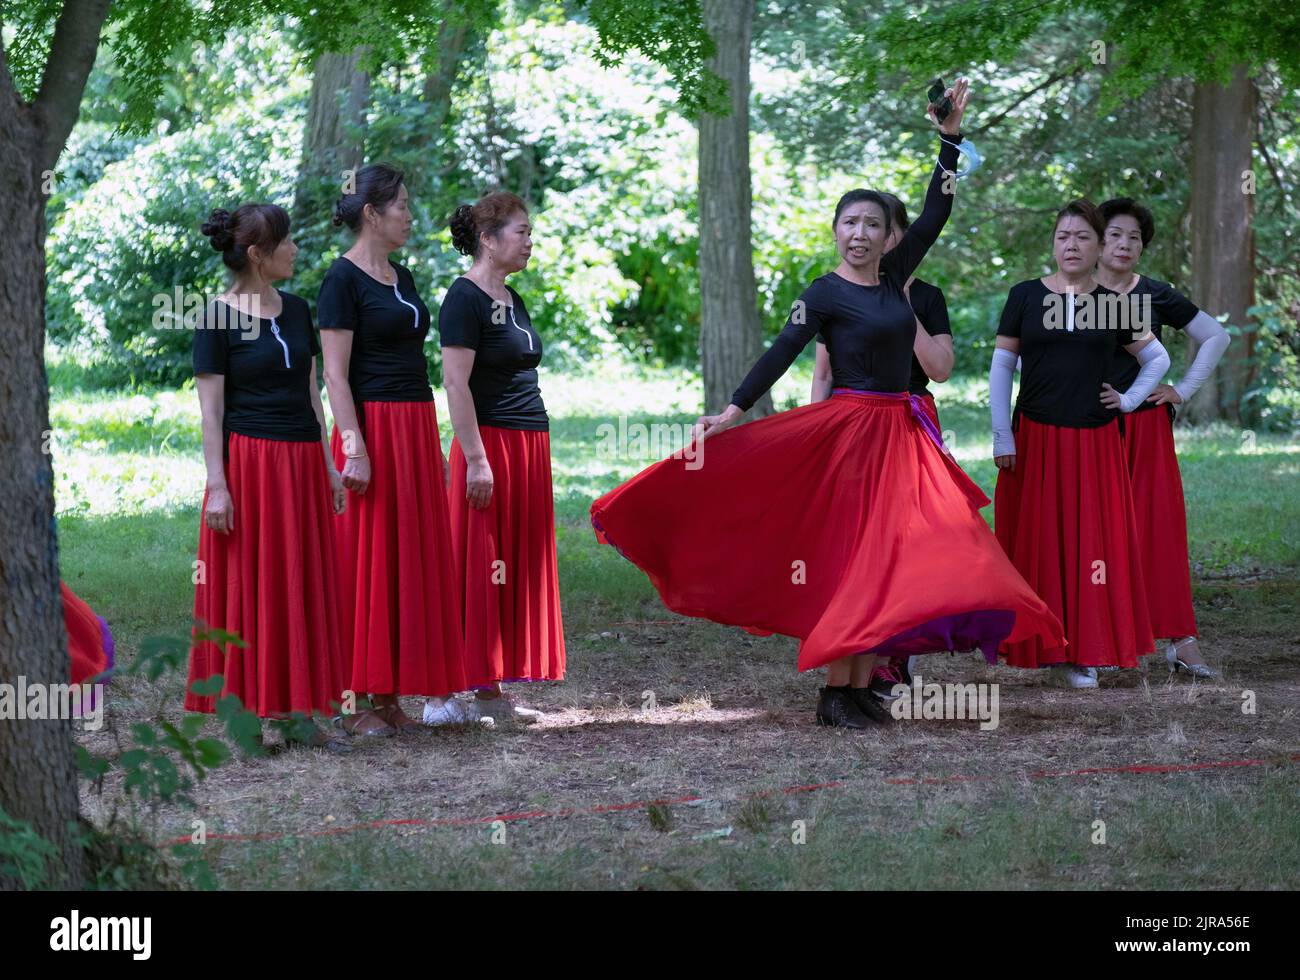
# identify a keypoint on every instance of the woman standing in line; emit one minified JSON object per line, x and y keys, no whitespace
{"x":266,"y":571}
{"x":1149,"y":431}
{"x":1063,"y":506}
{"x":394,"y":555}
{"x":502,"y":512}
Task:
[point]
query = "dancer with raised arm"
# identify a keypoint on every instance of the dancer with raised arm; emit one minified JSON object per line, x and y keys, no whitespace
{"x":843,"y":523}
{"x":932,"y":359}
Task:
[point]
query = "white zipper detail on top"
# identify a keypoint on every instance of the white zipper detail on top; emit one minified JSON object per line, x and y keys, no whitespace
{"x":518,"y":327}
{"x":275,"y":332}
{"x":411,"y":305}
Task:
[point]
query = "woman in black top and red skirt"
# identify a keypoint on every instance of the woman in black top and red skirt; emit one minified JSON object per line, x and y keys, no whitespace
{"x":266,"y":571}
{"x":502,"y":511}
{"x":395,"y":557}
{"x":1149,"y":430}
{"x":843,"y":523}
{"x":1063,"y":506}
{"x":932,"y":360}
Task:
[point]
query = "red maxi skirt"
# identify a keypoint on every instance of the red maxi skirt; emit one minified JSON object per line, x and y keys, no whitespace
{"x":505,"y":557}
{"x":1065,"y":517}
{"x":90,"y":643}
{"x":271,"y":581}
{"x":395,"y":559}
{"x":1161,"y":521}
{"x":842,"y":523}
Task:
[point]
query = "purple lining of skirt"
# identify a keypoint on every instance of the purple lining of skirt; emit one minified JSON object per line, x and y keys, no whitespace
{"x":110,"y":658}
{"x":982,"y":628}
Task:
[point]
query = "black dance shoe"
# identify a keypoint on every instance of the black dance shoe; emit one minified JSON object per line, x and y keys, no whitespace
{"x":837,"y":708}
{"x":870,"y":706}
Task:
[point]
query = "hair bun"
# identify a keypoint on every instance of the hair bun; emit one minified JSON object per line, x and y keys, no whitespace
{"x":338,"y":218}
{"x":219,"y":229}
{"x":462,"y":229}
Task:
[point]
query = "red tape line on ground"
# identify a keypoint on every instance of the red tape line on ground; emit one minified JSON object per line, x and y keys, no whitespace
{"x":681,"y":800}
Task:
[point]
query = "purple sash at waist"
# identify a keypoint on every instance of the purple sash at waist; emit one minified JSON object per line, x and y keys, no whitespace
{"x":914,"y":402}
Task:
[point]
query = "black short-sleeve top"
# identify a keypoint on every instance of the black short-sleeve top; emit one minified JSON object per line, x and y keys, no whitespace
{"x":503,"y":381}
{"x":1067,"y":349}
{"x":267,"y":366}
{"x":1158,"y":305}
{"x":932,"y":311}
{"x":389,"y":324}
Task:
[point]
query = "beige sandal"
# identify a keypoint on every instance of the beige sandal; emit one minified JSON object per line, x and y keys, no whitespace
{"x":362,"y":725}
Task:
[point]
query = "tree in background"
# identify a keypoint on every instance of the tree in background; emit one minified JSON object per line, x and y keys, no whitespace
{"x":1221,"y":46}
{"x":47,"y":51}
{"x":730,"y":335}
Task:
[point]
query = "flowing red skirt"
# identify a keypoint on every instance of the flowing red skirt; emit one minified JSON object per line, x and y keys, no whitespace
{"x":1161,"y":522}
{"x":1065,"y":517}
{"x":841,"y":523}
{"x":505,"y":553}
{"x":395,"y":560}
{"x":271,"y":581}
{"x":90,"y":643}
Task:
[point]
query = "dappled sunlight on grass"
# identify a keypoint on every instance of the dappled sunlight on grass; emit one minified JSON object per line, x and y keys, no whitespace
{"x":124,"y":453}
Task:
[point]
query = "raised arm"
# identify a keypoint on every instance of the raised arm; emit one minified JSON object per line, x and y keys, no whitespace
{"x":924,"y":231}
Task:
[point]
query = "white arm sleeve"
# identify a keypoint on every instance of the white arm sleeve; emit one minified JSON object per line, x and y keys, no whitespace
{"x":1209,"y":333}
{"x":1004,"y":362}
{"x":1155,"y":362}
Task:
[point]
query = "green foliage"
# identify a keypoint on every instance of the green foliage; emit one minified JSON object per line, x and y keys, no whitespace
{"x":145,"y":35}
{"x":1273,"y":398}
{"x":606,"y":161}
{"x":1146,"y":40}
{"x":121,"y":248}
{"x":163,"y":763}
{"x":25,"y":856}
{"x":671,"y":32}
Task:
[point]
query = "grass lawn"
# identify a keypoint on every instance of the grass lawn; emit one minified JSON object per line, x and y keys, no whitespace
{"x":716,"y":775}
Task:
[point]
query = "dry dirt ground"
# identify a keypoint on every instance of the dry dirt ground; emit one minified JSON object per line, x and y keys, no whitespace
{"x":714,"y":785}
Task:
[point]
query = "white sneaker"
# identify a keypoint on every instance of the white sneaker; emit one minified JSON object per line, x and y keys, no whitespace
{"x":1072,"y":675}
{"x":450,"y":711}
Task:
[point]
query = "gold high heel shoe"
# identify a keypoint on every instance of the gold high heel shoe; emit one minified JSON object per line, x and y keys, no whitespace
{"x":1176,"y":663}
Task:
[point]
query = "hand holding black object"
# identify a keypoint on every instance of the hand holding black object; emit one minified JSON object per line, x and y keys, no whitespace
{"x":947,"y":114}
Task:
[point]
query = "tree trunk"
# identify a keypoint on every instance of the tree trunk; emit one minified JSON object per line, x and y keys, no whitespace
{"x":333,"y":138}
{"x":440,"y":77}
{"x":730,"y":333}
{"x":38,"y":778}
{"x":1223,"y":242}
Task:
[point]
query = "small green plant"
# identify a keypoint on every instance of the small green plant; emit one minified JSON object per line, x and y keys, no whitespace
{"x":25,"y":856}
{"x":660,"y":816}
{"x":755,"y":815}
{"x":162,"y":764}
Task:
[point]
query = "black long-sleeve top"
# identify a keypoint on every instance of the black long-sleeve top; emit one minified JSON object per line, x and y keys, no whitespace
{"x":869,"y":331}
